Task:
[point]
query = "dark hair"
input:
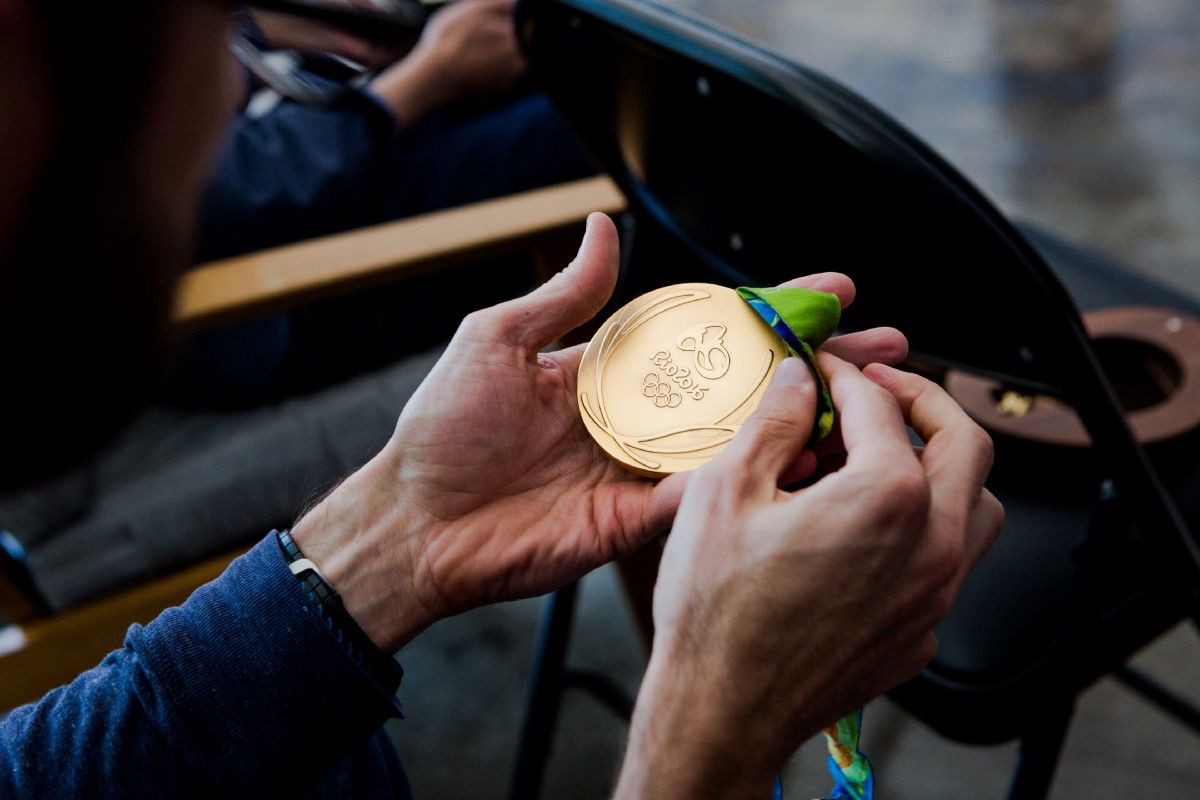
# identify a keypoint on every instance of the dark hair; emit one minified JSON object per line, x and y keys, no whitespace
{"x":87,"y":290}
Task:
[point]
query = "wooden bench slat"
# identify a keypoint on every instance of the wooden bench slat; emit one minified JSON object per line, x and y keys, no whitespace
{"x":59,"y":648}
{"x":273,"y":279}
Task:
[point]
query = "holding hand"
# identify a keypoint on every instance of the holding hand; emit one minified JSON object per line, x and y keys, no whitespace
{"x":491,"y":488}
{"x":777,"y":612}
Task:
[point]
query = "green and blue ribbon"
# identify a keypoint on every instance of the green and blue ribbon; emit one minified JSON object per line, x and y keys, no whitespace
{"x":804,"y":319}
{"x":850,"y":768}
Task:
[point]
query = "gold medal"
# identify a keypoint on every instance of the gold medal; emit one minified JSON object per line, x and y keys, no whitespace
{"x":669,"y":379}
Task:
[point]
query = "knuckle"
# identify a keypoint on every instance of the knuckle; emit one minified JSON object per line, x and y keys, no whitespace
{"x":737,"y":478}
{"x":906,"y":492}
{"x":982,"y":442}
{"x":911,"y":658}
{"x":476,"y":324}
{"x":496,"y":324}
{"x":995,"y":514}
{"x":979,"y":527}
{"x":705,"y":482}
{"x":925,"y":651}
{"x":915,"y":388}
{"x":919,"y":383}
{"x":944,"y":603}
{"x":773,"y":423}
{"x":946,"y":554}
{"x":945,"y":559}
{"x":711,"y":479}
{"x":877,"y":393}
{"x":718,"y":492}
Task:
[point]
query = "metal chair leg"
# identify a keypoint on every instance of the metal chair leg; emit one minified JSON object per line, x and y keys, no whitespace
{"x":1166,"y":700}
{"x":603,"y":688}
{"x":545,"y":694}
{"x":1038,"y":759}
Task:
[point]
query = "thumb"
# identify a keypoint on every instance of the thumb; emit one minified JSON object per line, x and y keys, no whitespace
{"x":775,"y":435}
{"x":569,"y":299}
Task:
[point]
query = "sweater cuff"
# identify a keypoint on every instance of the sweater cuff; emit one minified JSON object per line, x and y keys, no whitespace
{"x":365,"y":97}
{"x":250,"y":674}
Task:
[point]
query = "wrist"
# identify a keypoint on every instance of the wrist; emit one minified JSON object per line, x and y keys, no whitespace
{"x":687,"y":739}
{"x":410,"y":90}
{"x":361,"y":537}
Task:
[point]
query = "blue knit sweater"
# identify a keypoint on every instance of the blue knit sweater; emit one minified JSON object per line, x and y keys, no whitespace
{"x":241,"y":691}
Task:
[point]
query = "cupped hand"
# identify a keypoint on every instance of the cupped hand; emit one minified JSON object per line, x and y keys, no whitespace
{"x":491,"y":488}
{"x":776,"y":612}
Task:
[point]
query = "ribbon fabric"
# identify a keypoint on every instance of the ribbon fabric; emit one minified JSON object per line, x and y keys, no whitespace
{"x":804,"y":319}
{"x":850,"y":768}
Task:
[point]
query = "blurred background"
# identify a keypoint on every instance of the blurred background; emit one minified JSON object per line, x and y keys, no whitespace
{"x":1081,"y":117}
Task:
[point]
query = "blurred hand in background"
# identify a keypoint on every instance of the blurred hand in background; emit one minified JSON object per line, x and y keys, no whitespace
{"x":467,"y":53}
{"x":290,"y":32}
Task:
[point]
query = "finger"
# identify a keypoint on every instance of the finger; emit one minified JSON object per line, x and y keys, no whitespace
{"x":977,"y":536}
{"x":498,"y":6}
{"x":874,"y":345}
{"x":775,"y":434}
{"x":873,"y":430}
{"x":383,"y":56}
{"x":825,"y":457}
{"x":356,"y":49}
{"x":664,"y":502}
{"x":958,"y":453}
{"x":820,"y":459}
{"x":568,"y":358}
{"x":831,"y":446}
{"x":832,"y":282}
{"x":512,"y":65}
{"x":520,"y":64}
{"x":639,"y":511}
{"x":566,"y":301}
{"x":987,"y":520}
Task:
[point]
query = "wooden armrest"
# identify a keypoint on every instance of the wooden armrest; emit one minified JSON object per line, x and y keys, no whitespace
{"x":274,"y":279}
{"x":16,"y":604}
{"x":58,"y":648}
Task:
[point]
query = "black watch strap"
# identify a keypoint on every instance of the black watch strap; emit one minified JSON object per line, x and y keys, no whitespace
{"x":328,"y":604}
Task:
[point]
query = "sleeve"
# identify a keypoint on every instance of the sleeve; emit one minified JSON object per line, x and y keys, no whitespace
{"x":297,"y":172}
{"x":242,"y":690}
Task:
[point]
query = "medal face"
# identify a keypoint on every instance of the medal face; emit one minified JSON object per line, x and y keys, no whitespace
{"x":669,"y":379}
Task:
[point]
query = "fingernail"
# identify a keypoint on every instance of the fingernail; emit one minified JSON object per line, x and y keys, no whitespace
{"x":587,"y":228}
{"x":792,"y":372}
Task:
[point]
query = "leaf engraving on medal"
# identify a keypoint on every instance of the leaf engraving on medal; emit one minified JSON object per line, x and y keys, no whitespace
{"x":638,"y":316}
{"x":686,"y":440}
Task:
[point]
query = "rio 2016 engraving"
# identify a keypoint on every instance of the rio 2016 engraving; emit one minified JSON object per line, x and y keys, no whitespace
{"x":680,"y":376}
{"x":706,"y":342}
